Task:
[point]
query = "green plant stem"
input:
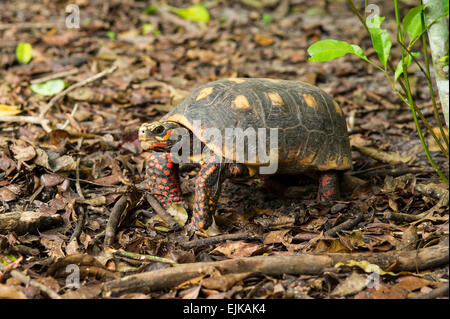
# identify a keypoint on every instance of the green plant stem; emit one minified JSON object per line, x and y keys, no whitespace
{"x":410,"y":98}
{"x":405,"y":87}
{"x":433,"y":99}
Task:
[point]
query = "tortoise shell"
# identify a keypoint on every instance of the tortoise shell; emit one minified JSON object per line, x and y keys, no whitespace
{"x":312,"y":131}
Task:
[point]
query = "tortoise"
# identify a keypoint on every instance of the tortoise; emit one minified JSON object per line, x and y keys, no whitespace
{"x":311,"y":127}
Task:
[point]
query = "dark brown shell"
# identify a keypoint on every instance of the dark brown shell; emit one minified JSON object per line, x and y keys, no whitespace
{"x":312,"y":128}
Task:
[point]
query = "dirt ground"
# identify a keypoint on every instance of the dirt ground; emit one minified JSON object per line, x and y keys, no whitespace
{"x":72,"y":170}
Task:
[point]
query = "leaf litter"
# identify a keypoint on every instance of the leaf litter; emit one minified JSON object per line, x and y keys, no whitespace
{"x":91,"y":157}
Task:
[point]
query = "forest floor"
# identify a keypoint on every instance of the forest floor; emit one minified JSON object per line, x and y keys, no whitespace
{"x":73,"y":161}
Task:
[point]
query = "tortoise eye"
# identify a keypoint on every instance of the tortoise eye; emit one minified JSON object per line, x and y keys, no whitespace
{"x":158,"y":130}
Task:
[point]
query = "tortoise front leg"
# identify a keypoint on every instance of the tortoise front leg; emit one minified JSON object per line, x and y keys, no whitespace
{"x":328,"y":186}
{"x":163,"y":179}
{"x":207,"y":190}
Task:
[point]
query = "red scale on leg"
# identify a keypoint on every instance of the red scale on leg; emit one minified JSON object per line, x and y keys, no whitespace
{"x":328,"y":186}
{"x":161,"y":170}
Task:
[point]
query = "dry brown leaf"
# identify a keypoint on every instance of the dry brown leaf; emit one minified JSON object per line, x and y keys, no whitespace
{"x":7,"y":195}
{"x":384,"y":292}
{"x":238,"y":249}
{"x":385,"y":157}
{"x":190,"y":293}
{"x":350,"y":286}
{"x":23,"y":151}
{"x":412,"y":283}
{"x":264,"y":40}
{"x":11,"y":292}
{"x":51,"y":179}
{"x":276,"y":236}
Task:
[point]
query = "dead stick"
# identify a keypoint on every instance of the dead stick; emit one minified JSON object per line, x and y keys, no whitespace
{"x":217,"y":239}
{"x":57,"y":97}
{"x":142,"y":257}
{"x":435,"y":293}
{"x":28,"y":119}
{"x":349,"y":224}
{"x":114,"y":217}
{"x":79,"y":227}
{"x":28,"y":281}
{"x":402,"y":217}
{"x":308,"y":264}
{"x":162,"y":212}
{"x":53,"y":76}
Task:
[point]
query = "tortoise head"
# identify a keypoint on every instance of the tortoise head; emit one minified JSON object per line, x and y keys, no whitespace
{"x":156,"y":135}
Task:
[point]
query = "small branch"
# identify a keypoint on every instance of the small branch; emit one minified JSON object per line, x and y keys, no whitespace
{"x":60,"y":95}
{"x":79,"y":227}
{"x":28,"y":281}
{"x":349,"y":224}
{"x":77,"y":176}
{"x":28,"y":25}
{"x":142,"y":257}
{"x":162,"y":212}
{"x":55,"y":76}
{"x":308,"y":264}
{"x":217,"y":239}
{"x":110,"y":231}
{"x":28,"y":119}
{"x":435,"y":293}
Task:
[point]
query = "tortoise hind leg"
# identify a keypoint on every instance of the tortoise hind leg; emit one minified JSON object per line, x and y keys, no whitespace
{"x":207,"y":191}
{"x":328,"y":186}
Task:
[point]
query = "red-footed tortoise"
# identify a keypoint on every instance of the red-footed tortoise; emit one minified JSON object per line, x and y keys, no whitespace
{"x":312,"y":136}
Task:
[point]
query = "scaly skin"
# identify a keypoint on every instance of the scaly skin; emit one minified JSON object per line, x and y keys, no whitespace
{"x":163,"y":179}
{"x":328,"y":186}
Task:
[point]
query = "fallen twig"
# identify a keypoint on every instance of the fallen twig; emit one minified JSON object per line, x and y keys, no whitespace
{"x":28,"y":119}
{"x":162,"y":212}
{"x":79,"y":227}
{"x":217,"y":239}
{"x":28,"y":25}
{"x":28,"y":281}
{"x":28,"y":222}
{"x":309,"y":264}
{"x":435,"y":293}
{"x":58,"y":96}
{"x":110,"y":231}
{"x":142,"y":257}
{"x":402,"y":217}
{"x":349,"y":224}
{"x":53,"y":76}
{"x":391,"y":171}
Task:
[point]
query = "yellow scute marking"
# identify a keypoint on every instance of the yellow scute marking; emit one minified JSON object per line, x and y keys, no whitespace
{"x":308,"y":159}
{"x":337,"y":107}
{"x":275,"y":99}
{"x":310,"y":100}
{"x":236,"y":80}
{"x":204,"y":93}
{"x":241,"y":102}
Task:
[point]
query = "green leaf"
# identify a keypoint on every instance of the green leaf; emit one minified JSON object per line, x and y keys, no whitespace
{"x":267,"y":18}
{"x":111,"y":35}
{"x":150,"y":9}
{"x":23,"y":52}
{"x":445,"y":5}
{"x":48,"y":88}
{"x":381,"y":39}
{"x":196,"y":13}
{"x":412,"y":22}
{"x":147,"y":28}
{"x":399,"y":69}
{"x":329,"y":49}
